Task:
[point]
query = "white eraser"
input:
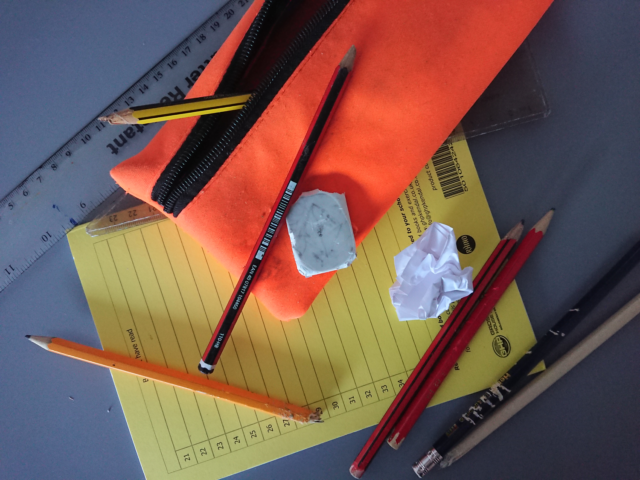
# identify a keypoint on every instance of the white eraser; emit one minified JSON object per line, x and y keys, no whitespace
{"x":321,"y":233}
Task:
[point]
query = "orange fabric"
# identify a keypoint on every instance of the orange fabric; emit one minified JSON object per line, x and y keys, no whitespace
{"x":419,"y":68}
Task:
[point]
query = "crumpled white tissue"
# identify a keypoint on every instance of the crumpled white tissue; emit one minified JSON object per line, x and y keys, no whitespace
{"x":429,"y":277}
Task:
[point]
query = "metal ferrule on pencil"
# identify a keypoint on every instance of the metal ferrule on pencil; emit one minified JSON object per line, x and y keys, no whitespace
{"x":427,"y":463}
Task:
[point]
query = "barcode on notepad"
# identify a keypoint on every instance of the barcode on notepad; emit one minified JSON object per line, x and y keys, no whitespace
{"x":447,"y":172}
{"x":275,"y":221}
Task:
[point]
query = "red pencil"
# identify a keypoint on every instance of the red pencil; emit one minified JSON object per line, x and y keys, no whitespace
{"x":260,"y":251}
{"x":411,"y":386}
{"x":477,"y":318}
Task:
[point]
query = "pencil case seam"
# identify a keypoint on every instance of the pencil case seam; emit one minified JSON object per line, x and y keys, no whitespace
{"x":266,"y":114}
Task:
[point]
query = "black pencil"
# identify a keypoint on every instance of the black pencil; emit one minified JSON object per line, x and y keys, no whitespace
{"x":260,"y":250}
{"x":516,"y":378}
{"x":545,"y":380}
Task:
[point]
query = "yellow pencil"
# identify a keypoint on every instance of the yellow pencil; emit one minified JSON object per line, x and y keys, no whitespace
{"x":159,"y":112}
{"x":177,"y":379}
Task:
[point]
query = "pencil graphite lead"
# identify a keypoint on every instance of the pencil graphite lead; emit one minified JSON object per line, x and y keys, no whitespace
{"x":123,"y":117}
{"x":543,"y":223}
{"x":516,"y":232}
{"x":349,"y":58}
{"x":315,"y":418}
{"x":40,"y":341}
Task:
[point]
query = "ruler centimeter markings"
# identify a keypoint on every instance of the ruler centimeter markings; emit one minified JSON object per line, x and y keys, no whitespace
{"x":70,"y":184}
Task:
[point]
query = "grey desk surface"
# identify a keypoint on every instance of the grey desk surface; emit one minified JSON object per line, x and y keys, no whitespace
{"x":73,"y":58}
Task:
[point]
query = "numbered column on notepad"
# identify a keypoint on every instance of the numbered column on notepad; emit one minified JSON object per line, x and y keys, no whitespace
{"x":351,"y":400}
{"x":236,"y":440}
{"x":384,"y":388}
{"x":286,"y":425}
{"x":264,"y":350}
{"x":203,"y":452}
{"x":253,"y":434}
{"x":269,"y":428}
{"x":157,"y":418}
{"x":333,"y":344}
{"x":187,"y":457}
{"x":398,"y":381}
{"x":368,"y":394}
{"x":320,"y":408}
{"x":370,"y":343}
{"x":220,"y":446}
{"x":318,"y":353}
{"x":334,"y":297}
{"x":302,"y":360}
{"x":335,"y":406}
{"x":383,"y":329}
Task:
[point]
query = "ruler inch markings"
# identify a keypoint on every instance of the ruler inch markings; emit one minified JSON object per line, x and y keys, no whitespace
{"x":64,"y":190}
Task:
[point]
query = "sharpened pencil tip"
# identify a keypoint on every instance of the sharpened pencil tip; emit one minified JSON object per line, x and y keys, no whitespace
{"x":515,"y":233}
{"x":40,"y":341}
{"x":123,"y":117}
{"x":315,"y":418}
{"x":349,"y":58}
{"x":27,"y":336}
{"x":543,"y":223}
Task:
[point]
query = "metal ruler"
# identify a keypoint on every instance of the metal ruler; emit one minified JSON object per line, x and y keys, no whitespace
{"x":42,"y":209}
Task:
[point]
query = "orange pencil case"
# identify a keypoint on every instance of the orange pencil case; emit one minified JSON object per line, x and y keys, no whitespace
{"x":420,"y":66}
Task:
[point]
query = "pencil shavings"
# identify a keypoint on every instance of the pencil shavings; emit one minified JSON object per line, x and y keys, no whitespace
{"x":321,"y":233}
{"x":429,"y":277}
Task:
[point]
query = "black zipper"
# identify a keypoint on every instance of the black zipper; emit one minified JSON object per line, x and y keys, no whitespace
{"x":193,"y":146}
{"x":195,"y":174}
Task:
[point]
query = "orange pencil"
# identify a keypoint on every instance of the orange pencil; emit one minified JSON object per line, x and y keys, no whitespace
{"x":477,"y":317}
{"x":176,"y":379}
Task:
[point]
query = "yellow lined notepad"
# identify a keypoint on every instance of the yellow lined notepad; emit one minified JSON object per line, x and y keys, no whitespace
{"x":156,"y":295}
